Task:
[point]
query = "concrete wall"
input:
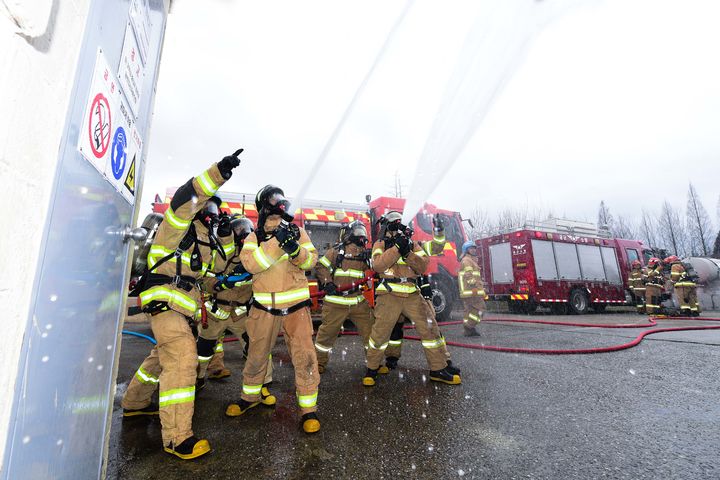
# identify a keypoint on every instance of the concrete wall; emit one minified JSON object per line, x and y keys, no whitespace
{"x":39,"y":44}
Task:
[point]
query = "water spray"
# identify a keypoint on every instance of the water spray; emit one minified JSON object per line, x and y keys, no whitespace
{"x":297,"y":200}
{"x":494,"y":47}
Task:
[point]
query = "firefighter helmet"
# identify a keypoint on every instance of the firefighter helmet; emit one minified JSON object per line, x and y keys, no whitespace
{"x":467,"y":246}
{"x":354,"y":232}
{"x":671,"y":259}
{"x":271,"y":199}
{"x":636,"y":264}
{"x":653,"y":262}
{"x":242,"y":227}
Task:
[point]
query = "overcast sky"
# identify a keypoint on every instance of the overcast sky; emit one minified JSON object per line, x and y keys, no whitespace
{"x":619,"y":102}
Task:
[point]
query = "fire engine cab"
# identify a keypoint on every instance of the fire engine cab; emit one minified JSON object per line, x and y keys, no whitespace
{"x":565,"y":265}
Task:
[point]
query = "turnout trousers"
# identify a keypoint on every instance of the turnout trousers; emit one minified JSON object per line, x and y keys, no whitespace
{"x":215,"y":331}
{"x":653,"y":302}
{"x":333,"y":317}
{"x":474,"y":308}
{"x":263,"y":329}
{"x":171,"y":366}
{"x":388,"y":309}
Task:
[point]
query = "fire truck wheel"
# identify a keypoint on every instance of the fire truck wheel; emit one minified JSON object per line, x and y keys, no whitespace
{"x":579,"y":303}
{"x":442,"y":301}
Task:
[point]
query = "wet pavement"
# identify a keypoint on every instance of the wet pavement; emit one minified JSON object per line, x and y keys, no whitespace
{"x":652,"y":411}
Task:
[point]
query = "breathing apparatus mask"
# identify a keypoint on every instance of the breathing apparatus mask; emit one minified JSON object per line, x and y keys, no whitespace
{"x":216,"y":222}
{"x":354,"y":233}
{"x":270,"y":200}
{"x":241,"y":227}
{"x":392,"y":223}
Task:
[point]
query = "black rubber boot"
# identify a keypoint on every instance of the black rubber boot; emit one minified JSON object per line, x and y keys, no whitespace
{"x":242,"y":406}
{"x":310,"y":423}
{"x":445,"y":377}
{"x":451,"y":369}
{"x":391,"y":362}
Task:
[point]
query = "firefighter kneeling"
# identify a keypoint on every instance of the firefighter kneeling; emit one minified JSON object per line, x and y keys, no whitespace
{"x":400,"y":263}
{"x":277,"y":255}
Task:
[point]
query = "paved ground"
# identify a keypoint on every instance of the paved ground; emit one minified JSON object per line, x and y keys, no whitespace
{"x":649,"y":412}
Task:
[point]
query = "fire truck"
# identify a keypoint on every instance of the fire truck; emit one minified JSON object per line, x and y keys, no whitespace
{"x":568,"y":266}
{"x":324,"y":219}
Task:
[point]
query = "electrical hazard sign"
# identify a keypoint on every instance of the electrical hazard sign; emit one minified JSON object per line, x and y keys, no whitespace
{"x":110,"y":140}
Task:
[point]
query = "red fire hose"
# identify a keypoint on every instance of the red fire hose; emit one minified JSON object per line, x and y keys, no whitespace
{"x":579,"y":351}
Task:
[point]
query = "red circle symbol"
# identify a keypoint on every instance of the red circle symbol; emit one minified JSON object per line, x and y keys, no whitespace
{"x":99,"y":125}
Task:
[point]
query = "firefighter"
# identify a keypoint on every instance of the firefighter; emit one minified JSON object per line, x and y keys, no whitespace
{"x":654,"y":286}
{"x":636,"y":282}
{"x":227,"y":310}
{"x":685,"y":287}
{"x":401,"y":264}
{"x":277,"y":255}
{"x":187,"y":243}
{"x":472,"y":291}
{"x":338,"y":270}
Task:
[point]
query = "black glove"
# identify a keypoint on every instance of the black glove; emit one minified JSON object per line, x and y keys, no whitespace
{"x":228,"y":163}
{"x":404,"y":244}
{"x":287,"y":238}
{"x":330,"y":288}
{"x":438,"y":227}
{"x":224,"y":229}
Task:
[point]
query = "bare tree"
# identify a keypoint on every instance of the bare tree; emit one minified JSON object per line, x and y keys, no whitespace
{"x":672,"y":232}
{"x":605,"y":218}
{"x":624,"y":228}
{"x":648,"y":229}
{"x":699,"y":225}
{"x":716,"y":248}
{"x":482,"y":226}
{"x":511,"y":218}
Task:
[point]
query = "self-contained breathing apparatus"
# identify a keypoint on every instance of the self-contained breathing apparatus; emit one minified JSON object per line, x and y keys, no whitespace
{"x":217,"y":223}
{"x":394,"y":233}
{"x":354,"y":233}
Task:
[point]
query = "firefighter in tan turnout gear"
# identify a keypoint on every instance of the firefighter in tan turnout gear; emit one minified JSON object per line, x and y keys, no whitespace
{"x":685,"y":287}
{"x":188,"y":244}
{"x":227,"y":310}
{"x":654,"y":287}
{"x":277,"y":255}
{"x":342,"y":266}
{"x":472,"y":291}
{"x":400,"y":264}
{"x":636,"y":282}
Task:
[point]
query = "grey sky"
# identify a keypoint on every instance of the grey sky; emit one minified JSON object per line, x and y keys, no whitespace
{"x":617,"y":102}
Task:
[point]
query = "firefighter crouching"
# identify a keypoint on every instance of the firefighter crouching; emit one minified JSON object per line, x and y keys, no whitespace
{"x":399,"y":263}
{"x":343,"y":265}
{"x":472,"y":291}
{"x":636,"y":282}
{"x":654,"y":287}
{"x":685,"y":287}
{"x":184,"y":249}
{"x":227,"y":310}
{"x":277,"y":255}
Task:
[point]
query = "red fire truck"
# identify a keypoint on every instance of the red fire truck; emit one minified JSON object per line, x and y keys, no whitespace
{"x":323,"y":221}
{"x":565,"y":265}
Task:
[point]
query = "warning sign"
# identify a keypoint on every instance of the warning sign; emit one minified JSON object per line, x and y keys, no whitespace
{"x":129,"y":183}
{"x":110,"y":141}
{"x":100,"y":112}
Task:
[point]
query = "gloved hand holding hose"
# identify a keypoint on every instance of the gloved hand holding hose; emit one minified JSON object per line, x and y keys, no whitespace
{"x":287,"y":235}
{"x":404,"y":245}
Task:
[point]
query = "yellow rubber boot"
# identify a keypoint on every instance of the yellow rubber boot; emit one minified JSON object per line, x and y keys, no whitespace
{"x":445,"y":377}
{"x":267,"y":398}
{"x":237,"y":409}
{"x":310,"y":423}
{"x":369,"y":378}
{"x":190,"y":448}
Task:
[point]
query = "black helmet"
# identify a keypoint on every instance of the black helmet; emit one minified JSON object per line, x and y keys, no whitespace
{"x":355,"y":232}
{"x":271,"y":199}
{"x":242,"y":227}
